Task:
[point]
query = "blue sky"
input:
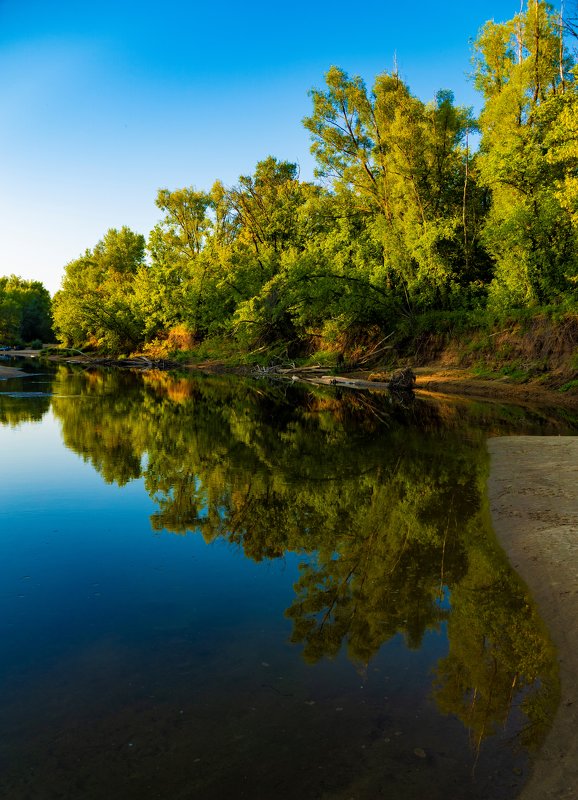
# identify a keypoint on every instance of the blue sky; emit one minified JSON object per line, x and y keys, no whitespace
{"x":101,"y":104}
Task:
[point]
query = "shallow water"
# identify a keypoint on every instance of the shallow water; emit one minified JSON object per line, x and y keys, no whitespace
{"x":224,"y":589}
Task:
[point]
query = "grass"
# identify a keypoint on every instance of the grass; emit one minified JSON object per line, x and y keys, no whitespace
{"x":570,"y":386}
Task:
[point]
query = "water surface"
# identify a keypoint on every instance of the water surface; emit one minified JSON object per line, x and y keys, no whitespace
{"x":220,"y":589}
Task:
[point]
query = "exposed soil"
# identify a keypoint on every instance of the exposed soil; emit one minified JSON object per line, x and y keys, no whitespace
{"x":453,"y":380}
{"x":441,"y":377}
{"x":539,"y":347}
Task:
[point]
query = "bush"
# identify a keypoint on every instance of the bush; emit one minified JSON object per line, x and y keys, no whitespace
{"x":180,"y":338}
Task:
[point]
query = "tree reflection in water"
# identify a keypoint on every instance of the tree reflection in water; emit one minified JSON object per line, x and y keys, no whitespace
{"x":384,"y":501}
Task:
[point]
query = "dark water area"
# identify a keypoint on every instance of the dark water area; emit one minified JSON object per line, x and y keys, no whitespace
{"x":215,"y":588}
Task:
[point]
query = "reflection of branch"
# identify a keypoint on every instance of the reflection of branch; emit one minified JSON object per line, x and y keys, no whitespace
{"x":364,"y":401}
{"x":358,"y":474}
{"x":472,"y":707}
{"x":244,"y":511}
{"x":367,"y":549}
{"x":511,"y":697}
{"x":336,"y":595}
{"x":401,"y":552}
{"x":444,"y":548}
{"x":482,"y":732}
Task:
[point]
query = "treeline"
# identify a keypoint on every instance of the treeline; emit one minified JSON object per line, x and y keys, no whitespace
{"x":407,"y":216}
{"x":25,"y":312}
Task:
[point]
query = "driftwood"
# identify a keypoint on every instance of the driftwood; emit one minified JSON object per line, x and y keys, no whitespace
{"x":139,"y":362}
{"x":352,"y":383}
{"x":277,"y":371}
{"x":376,"y":352}
{"x":401,"y":381}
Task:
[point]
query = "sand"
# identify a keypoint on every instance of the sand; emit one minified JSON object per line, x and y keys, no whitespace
{"x":11,"y":372}
{"x":533,"y":490}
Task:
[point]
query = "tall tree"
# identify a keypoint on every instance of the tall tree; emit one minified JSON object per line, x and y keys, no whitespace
{"x":526,"y":77}
{"x":25,"y":311}
{"x":267,"y":209}
{"x":95,"y":305}
{"x":178,"y":287}
{"x":406,"y":164}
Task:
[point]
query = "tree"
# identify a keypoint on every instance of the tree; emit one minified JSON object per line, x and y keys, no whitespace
{"x":25,"y":311}
{"x":188,"y":250}
{"x":96,"y":305}
{"x":528,"y":84}
{"x":406,"y":165}
{"x":267,"y":212}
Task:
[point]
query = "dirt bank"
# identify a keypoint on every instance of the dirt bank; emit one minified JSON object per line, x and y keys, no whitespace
{"x":436,"y":378}
{"x":444,"y":380}
{"x":533,"y":490}
{"x":541,"y":347}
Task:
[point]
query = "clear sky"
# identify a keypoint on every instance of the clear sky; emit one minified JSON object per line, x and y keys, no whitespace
{"x":102,"y":104}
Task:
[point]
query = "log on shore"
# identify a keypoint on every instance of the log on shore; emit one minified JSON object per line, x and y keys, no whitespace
{"x":351,"y":383}
{"x":400,"y":381}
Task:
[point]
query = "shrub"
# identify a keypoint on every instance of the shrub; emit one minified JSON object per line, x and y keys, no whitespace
{"x":180,"y":339}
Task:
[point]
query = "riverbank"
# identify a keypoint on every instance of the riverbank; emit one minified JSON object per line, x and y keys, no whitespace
{"x":439,"y":379}
{"x":534,"y":503}
{"x":10,"y":372}
{"x":455,"y":381}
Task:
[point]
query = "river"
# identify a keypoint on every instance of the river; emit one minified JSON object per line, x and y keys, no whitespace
{"x":221,"y":588}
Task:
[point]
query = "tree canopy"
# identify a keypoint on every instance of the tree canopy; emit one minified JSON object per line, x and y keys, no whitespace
{"x":417,"y":207}
{"x":25,"y":311}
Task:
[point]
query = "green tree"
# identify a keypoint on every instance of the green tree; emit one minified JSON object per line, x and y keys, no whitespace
{"x":189,"y":279}
{"x":267,"y":211}
{"x":10,"y":318}
{"x":525,"y":160}
{"x":407,"y":166}
{"x":25,"y":311}
{"x":96,"y":303}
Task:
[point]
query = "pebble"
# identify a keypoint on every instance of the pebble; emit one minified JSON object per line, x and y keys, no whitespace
{"x":419,"y":752}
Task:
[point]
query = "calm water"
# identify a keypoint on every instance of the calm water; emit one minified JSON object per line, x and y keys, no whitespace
{"x":212,"y":588}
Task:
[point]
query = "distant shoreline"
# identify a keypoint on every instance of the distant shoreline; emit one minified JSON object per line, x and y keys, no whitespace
{"x":435,"y":379}
{"x":533,"y":492}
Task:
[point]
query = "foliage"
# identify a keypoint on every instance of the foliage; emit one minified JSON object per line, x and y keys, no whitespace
{"x":25,"y":311}
{"x":407,"y":165}
{"x":528,"y":157}
{"x":407,"y":219}
{"x":96,"y":303}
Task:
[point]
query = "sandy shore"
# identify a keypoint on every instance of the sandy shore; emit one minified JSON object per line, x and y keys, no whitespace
{"x":533,"y":490}
{"x":10,"y":372}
